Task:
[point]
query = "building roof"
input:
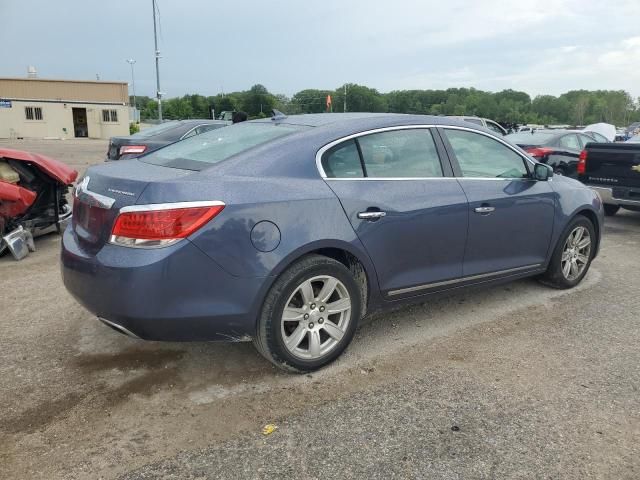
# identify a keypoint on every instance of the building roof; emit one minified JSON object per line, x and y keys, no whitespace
{"x":59,"y":90}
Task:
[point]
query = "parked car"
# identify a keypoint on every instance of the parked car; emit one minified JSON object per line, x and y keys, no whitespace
{"x":33,"y":198}
{"x":485,"y":122}
{"x":612,"y":170}
{"x":158,"y":136}
{"x":635,"y":139}
{"x":286,"y":231}
{"x":560,"y":149}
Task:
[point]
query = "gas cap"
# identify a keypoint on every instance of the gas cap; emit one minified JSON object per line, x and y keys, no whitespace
{"x":265,"y":236}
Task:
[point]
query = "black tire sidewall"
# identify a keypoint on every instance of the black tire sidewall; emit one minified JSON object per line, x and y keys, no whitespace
{"x":280,"y":293}
{"x":554,"y":271}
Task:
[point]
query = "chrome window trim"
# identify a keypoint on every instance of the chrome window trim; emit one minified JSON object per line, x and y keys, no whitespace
{"x":171,"y":206}
{"x":326,"y":147}
{"x":455,"y":281}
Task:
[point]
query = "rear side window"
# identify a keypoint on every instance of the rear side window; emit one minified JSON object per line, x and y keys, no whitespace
{"x":409,"y":153}
{"x":569,"y":141}
{"x":481,"y":156}
{"x":343,"y":161}
{"x":400,"y":154}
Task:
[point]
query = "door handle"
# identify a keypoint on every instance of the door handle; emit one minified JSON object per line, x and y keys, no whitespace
{"x":371,"y":215}
{"x":484,"y":209}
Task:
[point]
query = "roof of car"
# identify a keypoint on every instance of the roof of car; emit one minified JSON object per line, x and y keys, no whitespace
{"x":355,"y":118}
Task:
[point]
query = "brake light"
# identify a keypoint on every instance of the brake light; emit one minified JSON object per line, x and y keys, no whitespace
{"x":582,"y":163}
{"x":539,"y":152}
{"x":161,"y":225}
{"x":132,"y":149}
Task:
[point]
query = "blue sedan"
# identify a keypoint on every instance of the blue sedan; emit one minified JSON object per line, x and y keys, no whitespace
{"x":287,"y":231}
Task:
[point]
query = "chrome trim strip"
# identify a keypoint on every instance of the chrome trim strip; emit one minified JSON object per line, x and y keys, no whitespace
{"x":170,"y":206}
{"x":93,"y":199}
{"x":120,"y":328}
{"x":460,"y":280}
{"x":606,"y":195}
{"x":322,"y":150}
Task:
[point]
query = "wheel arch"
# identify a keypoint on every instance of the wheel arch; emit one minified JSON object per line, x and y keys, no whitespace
{"x":595,"y":221}
{"x":356,"y":261}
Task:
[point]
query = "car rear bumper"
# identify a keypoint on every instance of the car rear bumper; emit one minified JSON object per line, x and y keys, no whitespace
{"x":617,"y":196}
{"x":176,"y":293}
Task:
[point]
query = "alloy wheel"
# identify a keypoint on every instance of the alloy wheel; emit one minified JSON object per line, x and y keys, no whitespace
{"x":576,"y":253}
{"x":316,"y":317}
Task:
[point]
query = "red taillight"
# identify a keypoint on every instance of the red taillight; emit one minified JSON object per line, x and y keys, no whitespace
{"x":132,"y":149}
{"x":161,"y":225}
{"x":539,"y":152}
{"x":582,"y":163}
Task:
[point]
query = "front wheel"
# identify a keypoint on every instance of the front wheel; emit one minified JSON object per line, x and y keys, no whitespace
{"x":572,"y":256}
{"x":309,"y":315}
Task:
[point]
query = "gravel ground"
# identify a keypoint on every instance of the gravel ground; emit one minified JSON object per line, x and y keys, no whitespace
{"x":514,"y":382}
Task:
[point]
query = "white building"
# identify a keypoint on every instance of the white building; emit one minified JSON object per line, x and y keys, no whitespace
{"x":41,"y":108}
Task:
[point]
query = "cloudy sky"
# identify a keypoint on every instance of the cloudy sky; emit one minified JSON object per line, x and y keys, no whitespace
{"x":539,"y":46}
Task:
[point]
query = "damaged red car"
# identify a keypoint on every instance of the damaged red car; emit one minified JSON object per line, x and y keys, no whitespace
{"x":33,"y":198}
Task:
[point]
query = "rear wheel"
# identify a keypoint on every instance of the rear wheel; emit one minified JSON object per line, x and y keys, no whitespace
{"x":309,"y":315}
{"x":572,"y":256}
{"x":610,"y":210}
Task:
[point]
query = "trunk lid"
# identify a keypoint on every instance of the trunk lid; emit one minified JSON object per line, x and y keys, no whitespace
{"x":107,"y":188}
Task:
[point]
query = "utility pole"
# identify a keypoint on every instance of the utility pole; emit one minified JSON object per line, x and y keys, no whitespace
{"x":131,"y":62}
{"x":345,"y":97}
{"x":155,"y":39}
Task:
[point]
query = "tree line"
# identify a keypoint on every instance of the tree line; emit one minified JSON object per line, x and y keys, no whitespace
{"x":576,"y":107}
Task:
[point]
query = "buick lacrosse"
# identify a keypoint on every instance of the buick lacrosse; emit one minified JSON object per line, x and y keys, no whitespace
{"x":287,"y":231}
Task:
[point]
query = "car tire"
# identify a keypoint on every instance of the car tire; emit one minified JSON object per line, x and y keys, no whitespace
{"x":566,"y":250}
{"x":307,"y":336}
{"x":610,"y":210}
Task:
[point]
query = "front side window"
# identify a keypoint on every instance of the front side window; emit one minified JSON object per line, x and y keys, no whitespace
{"x":480,"y":156}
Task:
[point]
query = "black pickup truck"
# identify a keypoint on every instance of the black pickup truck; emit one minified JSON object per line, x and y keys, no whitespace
{"x":612,"y":170}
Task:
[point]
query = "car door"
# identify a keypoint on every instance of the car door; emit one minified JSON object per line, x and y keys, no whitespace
{"x":510,"y":213}
{"x":404,"y":204}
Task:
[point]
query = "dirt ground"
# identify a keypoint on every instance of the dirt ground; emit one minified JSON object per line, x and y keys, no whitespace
{"x":518,"y":381}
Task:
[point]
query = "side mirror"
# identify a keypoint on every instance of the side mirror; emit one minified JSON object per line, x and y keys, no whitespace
{"x":542,"y":172}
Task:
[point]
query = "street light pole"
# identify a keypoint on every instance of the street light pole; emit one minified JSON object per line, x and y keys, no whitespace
{"x":131,"y":62}
{"x":155,"y":39}
{"x":345,"y":97}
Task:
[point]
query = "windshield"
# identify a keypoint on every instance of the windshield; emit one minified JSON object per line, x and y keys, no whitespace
{"x":196,"y":153}
{"x":528,"y":138}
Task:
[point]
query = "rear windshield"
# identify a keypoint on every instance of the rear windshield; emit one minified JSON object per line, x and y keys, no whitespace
{"x":528,"y":138}
{"x":155,"y":130}
{"x":201,"y":151}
